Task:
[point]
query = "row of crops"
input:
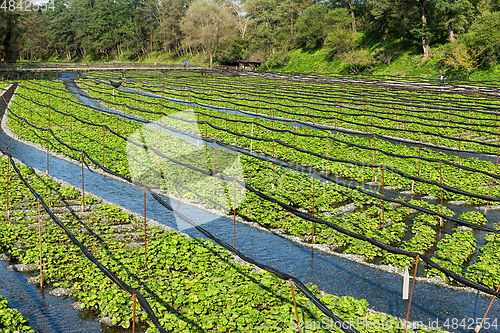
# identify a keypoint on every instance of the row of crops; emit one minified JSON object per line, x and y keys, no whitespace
{"x":388,"y":225}
{"x":11,"y":320}
{"x":399,"y":224}
{"x":442,"y":119}
{"x":190,"y":284}
{"x":436,"y":167}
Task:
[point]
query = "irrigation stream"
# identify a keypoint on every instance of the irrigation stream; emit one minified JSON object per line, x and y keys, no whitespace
{"x":333,"y":274}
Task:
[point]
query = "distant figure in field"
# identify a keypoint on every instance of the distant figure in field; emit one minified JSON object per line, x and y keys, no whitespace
{"x":443,"y":77}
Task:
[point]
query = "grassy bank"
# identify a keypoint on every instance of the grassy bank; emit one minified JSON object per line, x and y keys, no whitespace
{"x":405,"y":64}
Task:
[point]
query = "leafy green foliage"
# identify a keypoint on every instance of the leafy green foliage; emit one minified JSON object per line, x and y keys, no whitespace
{"x":454,"y":251}
{"x":11,"y":320}
{"x":475,"y":217}
{"x":191,"y":284}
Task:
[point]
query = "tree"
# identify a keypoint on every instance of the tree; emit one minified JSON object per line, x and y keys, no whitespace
{"x":485,"y":35}
{"x":458,"y":15}
{"x":207,"y":24}
{"x":460,"y":57}
{"x":7,"y":27}
{"x":425,"y":30}
{"x":311,"y":27}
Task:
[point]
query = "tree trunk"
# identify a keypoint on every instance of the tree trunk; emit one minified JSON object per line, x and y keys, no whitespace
{"x":351,"y":8}
{"x":211,"y":57}
{"x":7,"y":50}
{"x":425,"y":39}
{"x":451,"y":35}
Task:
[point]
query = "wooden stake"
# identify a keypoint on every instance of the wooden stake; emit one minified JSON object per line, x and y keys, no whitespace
{"x":313,"y":212}
{"x":274,"y":167}
{"x":251,"y":140}
{"x":459,"y":146}
{"x":83,"y":186}
{"x":213,"y":171}
{"x":145,"y":234}
{"x":40,"y":242}
{"x":491,"y":187}
{"x":103,"y":145}
{"x":383,"y":193}
{"x":295,"y":305}
{"x":326,"y":171}
{"x":441,"y":190}
{"x":47,"y":153}
{"x":419,"y":153}
{"x":133,"y":313}
{"x":294,"y":131}
{"x":476,"y":330}
{"x":374,"y":159}
{"x":8,"y":180}
{"x":411,"y":292}
{"x":234,"y":215}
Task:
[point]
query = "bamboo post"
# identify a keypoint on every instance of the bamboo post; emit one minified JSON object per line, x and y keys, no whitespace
{"x":83,"y":186}
{"x":236,"y":126}
{"x":103,"y":145}
{"x":40,"y":242}
{"x":213,"y":171}
{"x":251,"y":140}
{"x":313,"y":210}
{"x":118,"y":128}
{"x":234,"y":215}
{"x":476,"y":330}
{"x":459,"y":145}
{"x":411,"y":292}
{"x":441,"y":190}
{"x":145,"y":234}
{"x":274,"y":167}
{"x":419,"y":152}
{"x":383,"y":193}
{"x":374,"y":159}
{"x":47,"y":153}
{"x":491,"y":187}
{"x":206,"y":140}
{"x":327,"y":143}
{"x":295,"y":305}
{"x":294,"y":132}
{"x":133,"y":313}
{"x":8,"y":180}
{"x":31,"y":110}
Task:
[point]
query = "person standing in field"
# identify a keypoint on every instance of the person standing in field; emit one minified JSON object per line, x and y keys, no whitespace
{"x":443,"y":77}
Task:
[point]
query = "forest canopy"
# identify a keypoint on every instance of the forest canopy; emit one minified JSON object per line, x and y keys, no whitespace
{"x":359,"y":33}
